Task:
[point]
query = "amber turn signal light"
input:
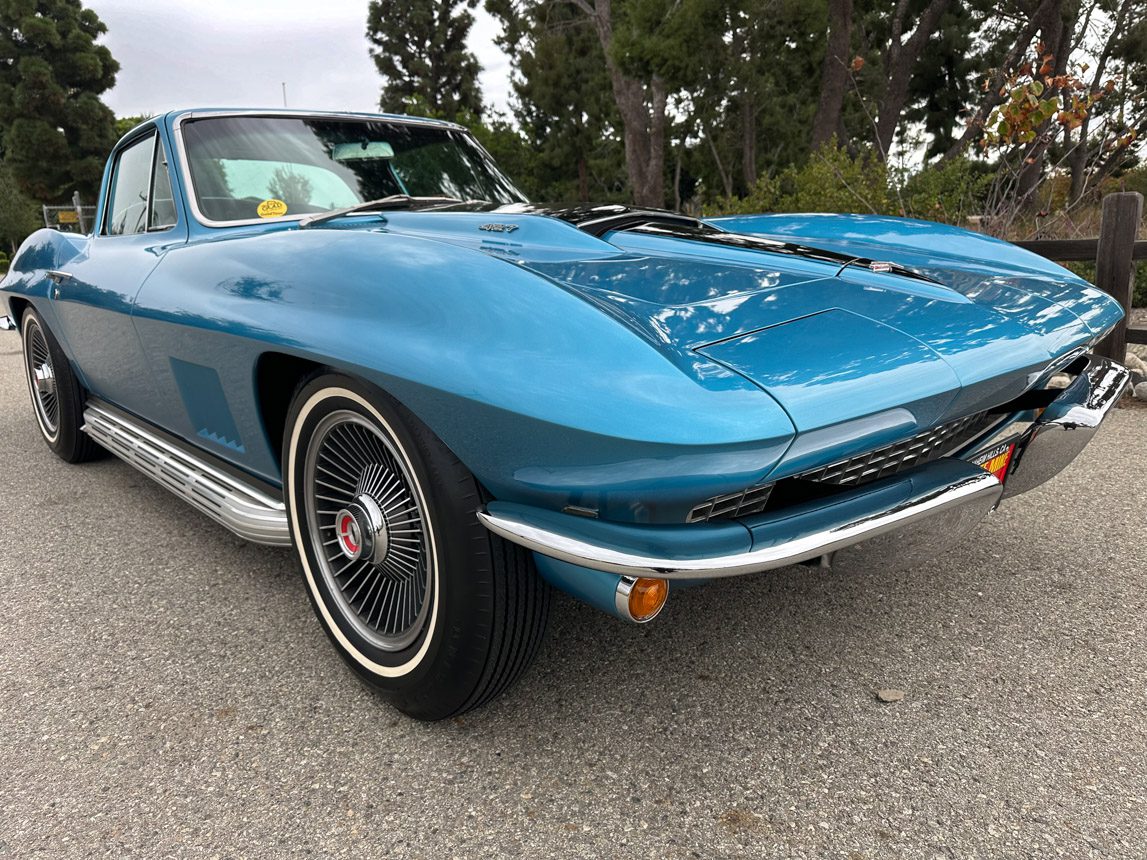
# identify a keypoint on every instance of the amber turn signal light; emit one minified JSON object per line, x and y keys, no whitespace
{"x":646,"y":597}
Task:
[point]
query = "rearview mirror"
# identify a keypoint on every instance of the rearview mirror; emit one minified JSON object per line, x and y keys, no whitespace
{"x":364,"y":150}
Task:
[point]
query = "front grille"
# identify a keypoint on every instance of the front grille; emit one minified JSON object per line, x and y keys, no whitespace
{"x":732,"y":505}
{"x":890,"y":459}
{"x":861,"y":469}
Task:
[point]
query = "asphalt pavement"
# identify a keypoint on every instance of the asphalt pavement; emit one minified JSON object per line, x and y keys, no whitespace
{"x":166,"y":692}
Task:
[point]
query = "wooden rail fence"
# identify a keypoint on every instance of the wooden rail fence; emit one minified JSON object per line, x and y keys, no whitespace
{"x":1114,"y":254}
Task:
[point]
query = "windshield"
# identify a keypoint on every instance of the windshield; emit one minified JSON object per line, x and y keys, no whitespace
{"x":247,"y":167}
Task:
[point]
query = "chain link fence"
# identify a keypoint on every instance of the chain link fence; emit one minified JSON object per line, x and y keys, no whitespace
{"x":76,"y":218}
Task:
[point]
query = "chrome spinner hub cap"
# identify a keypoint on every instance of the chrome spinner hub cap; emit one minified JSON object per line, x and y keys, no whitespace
{"x":361,"y":529}
{"x":368,"y":530}
{"x":45,"y":380}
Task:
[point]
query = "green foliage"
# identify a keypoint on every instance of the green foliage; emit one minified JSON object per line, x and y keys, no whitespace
{"x":124,"y":124}
{"x":1036,"y":98}
{"x":56,"y":132}
{"x":949,"y":192}
{"x":19,"y":215}
{"x":569,"y":143}
{"x":830,"y":181}
{"x":1134,"y":180}
{"x":419,"y":48}
{"x":4,"y":261}
{"x":751,"y":90}
{"x":943,"y":83}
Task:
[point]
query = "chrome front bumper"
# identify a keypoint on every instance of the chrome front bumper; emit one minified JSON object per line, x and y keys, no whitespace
{"x":1067,"y":425}
{"x":910,"y":516}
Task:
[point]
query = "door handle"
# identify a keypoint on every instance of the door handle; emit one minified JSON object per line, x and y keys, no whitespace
{"x":58,"y":277}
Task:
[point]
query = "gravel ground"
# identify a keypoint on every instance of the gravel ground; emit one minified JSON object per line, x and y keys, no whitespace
{"x":165,"y":692}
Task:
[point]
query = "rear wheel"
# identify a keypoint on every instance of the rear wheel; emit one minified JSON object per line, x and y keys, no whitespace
{"x":57,"y":398}
{"x":417,"y":596}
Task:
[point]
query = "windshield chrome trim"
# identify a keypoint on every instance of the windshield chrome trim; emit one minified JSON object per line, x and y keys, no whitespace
{"x":185,"y":166}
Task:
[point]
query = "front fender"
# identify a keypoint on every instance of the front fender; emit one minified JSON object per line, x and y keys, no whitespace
{"x":977,"y":265}
{"x":546,"y":399}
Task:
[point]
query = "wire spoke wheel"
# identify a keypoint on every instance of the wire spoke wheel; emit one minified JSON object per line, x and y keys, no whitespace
{"x":421,"y":600}
{"x":42,"y":378}
{"x":367,"y":530}
{"x":57,"y":396}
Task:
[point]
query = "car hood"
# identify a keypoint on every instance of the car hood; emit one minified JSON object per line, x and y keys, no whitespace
{"x":936,"y":320}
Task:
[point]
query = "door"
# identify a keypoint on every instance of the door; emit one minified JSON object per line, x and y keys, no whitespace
{"x":95,"y":294}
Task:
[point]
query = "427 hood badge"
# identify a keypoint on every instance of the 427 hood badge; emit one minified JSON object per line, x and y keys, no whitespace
{"x":499,"y":228}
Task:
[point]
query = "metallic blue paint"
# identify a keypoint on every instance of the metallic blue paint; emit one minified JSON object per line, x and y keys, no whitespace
{"x":595,"y":587}
{"x":635,"y":374}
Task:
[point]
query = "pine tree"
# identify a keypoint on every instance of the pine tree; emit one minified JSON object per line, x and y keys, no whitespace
{"x":563,"y":105}
{"x":55,"y":133}
{"x":419,"y":47}
{"x":19,"y":216}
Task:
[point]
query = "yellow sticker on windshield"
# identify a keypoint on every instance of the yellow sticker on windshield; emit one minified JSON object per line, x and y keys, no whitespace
{"x":272,"y":209}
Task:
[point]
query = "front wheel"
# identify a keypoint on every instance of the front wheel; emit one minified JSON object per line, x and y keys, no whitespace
{"x":57,"y":397}
{"x":417,"y":596}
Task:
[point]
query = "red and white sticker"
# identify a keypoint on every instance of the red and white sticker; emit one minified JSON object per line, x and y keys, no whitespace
{"x":997,"y":460}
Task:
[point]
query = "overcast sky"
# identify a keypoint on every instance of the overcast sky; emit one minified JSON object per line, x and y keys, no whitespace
{"x":212,"y":53}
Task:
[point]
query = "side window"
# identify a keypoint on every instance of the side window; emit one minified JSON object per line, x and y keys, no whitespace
{"x":162,"y":214}
{"x":127,"y":203}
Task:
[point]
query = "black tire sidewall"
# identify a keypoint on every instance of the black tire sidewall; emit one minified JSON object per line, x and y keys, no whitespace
{"x":70,"y":443}
{"x":447,"y":659}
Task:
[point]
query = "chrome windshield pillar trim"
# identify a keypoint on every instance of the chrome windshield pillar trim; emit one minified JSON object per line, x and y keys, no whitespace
{"x":975,"y":495}
{"x":1055,"y":439}
{"x":6,"y":323}
{"x":244,"y":510}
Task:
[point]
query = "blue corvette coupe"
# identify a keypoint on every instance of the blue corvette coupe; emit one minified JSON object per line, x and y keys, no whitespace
{"x":351,"y":334}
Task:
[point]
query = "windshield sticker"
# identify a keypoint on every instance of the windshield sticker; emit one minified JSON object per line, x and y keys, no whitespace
{"x":272,"y":209}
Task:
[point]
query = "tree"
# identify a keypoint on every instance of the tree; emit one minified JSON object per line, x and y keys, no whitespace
{"x":290,"y":186}
{"x":946,"y":76}
{"x":563,"y":102}
{"x":19,"y":216}
{"x":1105,"y":135}
{"x":1007,"y":27}
{"x":124,"y":124}
{"x":834,"y":74}
{"x":640,"y":92}
{"x":419,"y":48}
{"x":56,"y":131}
{"x":750,"y":88}
{"x":900,"y":63}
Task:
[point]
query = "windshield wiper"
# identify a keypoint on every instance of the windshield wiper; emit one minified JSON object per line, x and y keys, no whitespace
{"x":393,"y":201}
